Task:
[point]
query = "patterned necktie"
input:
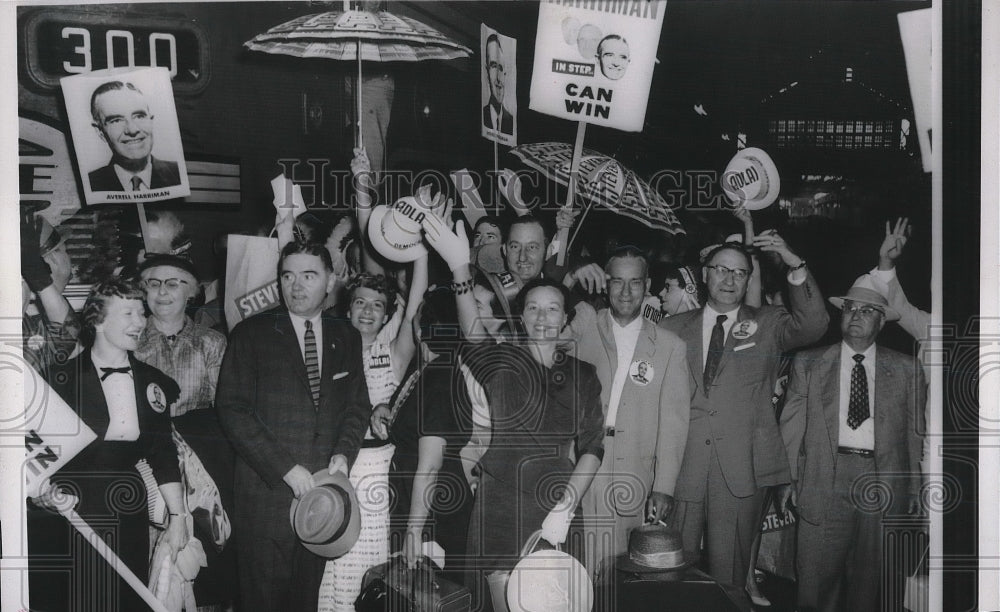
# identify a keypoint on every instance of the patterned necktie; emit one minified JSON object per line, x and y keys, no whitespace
{"x":715,"y":346}
{"x":312,"y":363}
{"x":136,"y":183}
{"x":105,"y":372}
{"x":857,"y":409}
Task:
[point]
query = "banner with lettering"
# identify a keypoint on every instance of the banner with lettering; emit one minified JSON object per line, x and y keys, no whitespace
{"x":53,"y":433}
{"x":499,"y":86}
{"x":594,"y":60}
{"x":251,"y":277}
{"x":125,"y":132}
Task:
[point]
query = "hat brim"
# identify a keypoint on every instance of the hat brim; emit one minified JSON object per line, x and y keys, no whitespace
{"x":347,"y":539}
{"x":526,"y":587}
{"x":890,"y":312}
{"x":625,"y":564}
{"x":770,"y":170}
{"x":391,"y":252}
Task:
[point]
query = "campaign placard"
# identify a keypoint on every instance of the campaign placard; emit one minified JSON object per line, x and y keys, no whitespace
{"x":126,"y":135}
{"x":594,"y":60}
{"x":499,"y":86}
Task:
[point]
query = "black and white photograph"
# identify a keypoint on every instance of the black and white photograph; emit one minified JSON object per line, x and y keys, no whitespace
{"x":293,"y":332}
{"x":137,"y":146}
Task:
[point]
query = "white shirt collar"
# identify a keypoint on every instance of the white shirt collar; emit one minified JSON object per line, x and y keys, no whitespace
{"x":847,"y":355}
{"x":146,"y":174}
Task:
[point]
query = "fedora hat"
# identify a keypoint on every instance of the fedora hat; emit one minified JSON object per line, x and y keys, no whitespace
{"x":327,"y":519}
{"x":751,"y":179}
{"x":653,"y":549}
{"x":396,"y":231}
{"x":863,"y":290}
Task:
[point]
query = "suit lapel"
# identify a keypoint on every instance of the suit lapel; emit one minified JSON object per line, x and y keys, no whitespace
{"x":608,"y":341}
{"x":744,"y":313}
{"x":829,"y":373}
{"x":288,"y":344}
{"x":328,"y":351}
{"x":91,"y":404}
{"x":885,"y":391}
{"x":691,"y":334}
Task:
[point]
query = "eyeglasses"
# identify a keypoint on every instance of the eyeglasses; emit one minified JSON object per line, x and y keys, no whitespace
{"x":737,"y":274}
{"x":171,"y":283}
{"x":864,"y":310}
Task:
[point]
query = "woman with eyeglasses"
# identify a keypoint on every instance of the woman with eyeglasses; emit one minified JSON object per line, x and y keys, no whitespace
{"x":191,"y":354}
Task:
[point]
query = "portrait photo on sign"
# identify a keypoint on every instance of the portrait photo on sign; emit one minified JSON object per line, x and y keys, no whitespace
{"x":499,"y":86}
{"x":126,"y":135}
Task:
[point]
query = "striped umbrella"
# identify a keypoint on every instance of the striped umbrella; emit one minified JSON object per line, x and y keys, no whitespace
{"x":338,"y":35}
{"x":602,"y":180}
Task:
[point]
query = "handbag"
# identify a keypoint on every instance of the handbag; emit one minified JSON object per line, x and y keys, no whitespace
{"x":393,"y":587}
{"x":251,"y":277}
{"x":549,"y":580}
{"x":915,"y":595}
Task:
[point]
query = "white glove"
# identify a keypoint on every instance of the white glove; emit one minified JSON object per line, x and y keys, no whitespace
{"x":556,"y":525}
{"x":452,"y":246}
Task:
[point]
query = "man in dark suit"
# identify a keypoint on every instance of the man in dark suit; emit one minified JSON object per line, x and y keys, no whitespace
{"x":292,"y":399}
{"x":852,"y":424}
{"x":734,"y":448}
{"x":495,"y":114}
{"x":123,"y":121}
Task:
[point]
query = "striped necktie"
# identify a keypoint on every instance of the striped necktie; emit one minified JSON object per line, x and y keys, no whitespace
{"x":312,"y":363}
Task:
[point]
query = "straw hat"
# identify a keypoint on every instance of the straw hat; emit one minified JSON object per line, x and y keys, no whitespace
{"x":396,"y":232}
{"x":327,"y":519}
{"x":653,"y":549}
{"x":864,"y":291}
{"x":751,"y":179}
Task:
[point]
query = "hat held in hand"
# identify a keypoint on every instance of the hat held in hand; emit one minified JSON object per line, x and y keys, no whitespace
{"x":751,"y":179}
{"x":326,"y":518}
{"x":396,"y":232}
{"x":863,"y":291}
{"x":652,"y":549}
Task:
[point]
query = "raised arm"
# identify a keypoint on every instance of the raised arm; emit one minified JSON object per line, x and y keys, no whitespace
{"x":403,"y":346}
{"x":754,"y":295}
{"x":453,"y":247}
{"x":807,"y":317}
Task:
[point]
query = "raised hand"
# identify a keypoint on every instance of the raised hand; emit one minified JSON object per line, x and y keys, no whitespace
{"x":770,"y":241}
{"x":893,"y":243}
{"x":452,"y":246}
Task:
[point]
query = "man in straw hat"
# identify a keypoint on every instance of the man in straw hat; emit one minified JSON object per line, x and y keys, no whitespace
{"x":852,"y":424}
{"x":292,"y":399}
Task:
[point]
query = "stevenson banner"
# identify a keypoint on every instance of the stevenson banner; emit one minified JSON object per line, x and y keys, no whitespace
{"x":594,"y":60}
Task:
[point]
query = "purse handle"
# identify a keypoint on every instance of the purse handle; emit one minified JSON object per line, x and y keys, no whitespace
{"x":532,"y":542}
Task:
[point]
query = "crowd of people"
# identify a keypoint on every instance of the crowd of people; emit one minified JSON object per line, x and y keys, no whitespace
{"x":515,"y":397}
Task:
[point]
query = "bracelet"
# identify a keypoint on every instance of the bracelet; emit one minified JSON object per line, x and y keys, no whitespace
{"x":802,"y":264}
{"x":463,"y":287}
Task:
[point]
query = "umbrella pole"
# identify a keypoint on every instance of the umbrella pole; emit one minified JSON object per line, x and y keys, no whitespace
{"x":574,"y":169}
{"x":361,"y":139}
{"x":109,"y":555}
{"x":579,"y":224}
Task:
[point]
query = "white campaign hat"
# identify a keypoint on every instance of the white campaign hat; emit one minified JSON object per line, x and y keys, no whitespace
{"x":751,"y":179}
{"x":396,"y":232}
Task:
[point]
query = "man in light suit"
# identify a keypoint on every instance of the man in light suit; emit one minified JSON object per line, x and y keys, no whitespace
{"x":292,"y":399}
{"x":852,"y":424}
{"x":734,"y":449}
{"x":646,"y":397}
{"x":123,"y":121}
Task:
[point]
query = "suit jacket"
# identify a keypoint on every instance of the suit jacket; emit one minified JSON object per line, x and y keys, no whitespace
{"x":810,"y":426}
{"x":78,"y":383}
{"x":652,"y":420}
{"x":736,"y":414}
{"x":506,"y":120}
{"x":266,"y":409}
{"x":165,"y":174}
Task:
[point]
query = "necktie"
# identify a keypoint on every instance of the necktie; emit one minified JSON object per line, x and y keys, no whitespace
{"x":105,"y":372}
{"x":857,"y":408}
{"x":136,"y":183}
{"x":312,"y":363}
{"x":715,"y":346}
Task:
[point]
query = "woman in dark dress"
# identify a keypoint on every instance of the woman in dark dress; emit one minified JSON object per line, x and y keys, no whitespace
{"x":126,"y":403}
{"x":545,"y":412}
{"x":428,"y":419}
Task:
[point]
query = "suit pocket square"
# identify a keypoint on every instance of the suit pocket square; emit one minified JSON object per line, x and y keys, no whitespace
{"x":340,"y":375}
{"x":744,"y":346}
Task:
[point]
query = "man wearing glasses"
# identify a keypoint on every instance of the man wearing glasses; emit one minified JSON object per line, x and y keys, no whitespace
{"x":851,"y":424}
{"x":123,"y":121}
{"x":734,"y":448}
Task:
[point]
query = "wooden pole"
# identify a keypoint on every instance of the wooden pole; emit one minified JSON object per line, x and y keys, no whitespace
{"x":361,"y":138}
{"x":109,"y":555}
{"x":496,"y":179}
{"x":143,"y":226}
{"x":563,"y":235}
